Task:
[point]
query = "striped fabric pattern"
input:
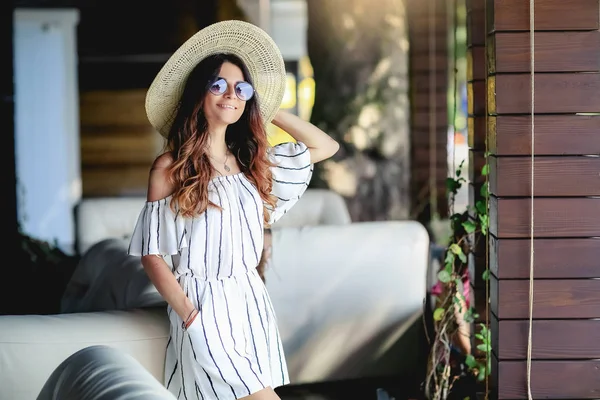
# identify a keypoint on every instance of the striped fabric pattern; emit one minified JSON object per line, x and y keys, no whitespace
{"x":233,"y":348}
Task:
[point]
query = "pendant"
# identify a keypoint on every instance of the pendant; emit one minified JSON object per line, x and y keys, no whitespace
{"x":227,"y":168}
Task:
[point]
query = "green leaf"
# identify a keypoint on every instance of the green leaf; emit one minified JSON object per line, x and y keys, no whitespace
{"x":481,"y":374}
{"x":455,"y":248}
{"x":486,"y":275}
{"x":438,"y":314}
{"x":485,"y":170}
{"x":483,"y":347}
{"x":452,"y":185}
{"x":444,"y":276}
{"x":469,"y":226}
{"x":484,"y":190}
{"x":471,"y":361}
{"x":463,"y":258}
{"x":481,"y":207}
{"x":449,"y":258}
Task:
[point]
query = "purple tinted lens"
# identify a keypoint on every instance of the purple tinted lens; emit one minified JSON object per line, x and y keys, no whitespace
{"x":218,"y":87}
{"x":244,"y":91}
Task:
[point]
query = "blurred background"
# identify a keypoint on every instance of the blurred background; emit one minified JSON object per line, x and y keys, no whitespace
{"x":386,"y":78}
{"x":379,"y":77}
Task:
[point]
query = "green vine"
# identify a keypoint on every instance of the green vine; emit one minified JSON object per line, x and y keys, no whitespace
{"x":451,"y":315}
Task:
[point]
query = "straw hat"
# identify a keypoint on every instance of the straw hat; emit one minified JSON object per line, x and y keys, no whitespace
{"x":251,"y":44}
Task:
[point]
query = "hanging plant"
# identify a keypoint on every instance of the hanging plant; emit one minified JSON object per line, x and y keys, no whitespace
{"x":454,"y":314}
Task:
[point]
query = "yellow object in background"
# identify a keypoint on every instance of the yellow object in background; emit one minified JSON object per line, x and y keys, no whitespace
{"x":299,"y":98}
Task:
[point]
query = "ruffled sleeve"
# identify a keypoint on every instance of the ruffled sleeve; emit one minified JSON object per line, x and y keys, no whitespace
{"x":158,"y":230}
{"x":291,"y":175}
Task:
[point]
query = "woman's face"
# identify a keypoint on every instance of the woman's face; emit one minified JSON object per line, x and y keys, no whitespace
{"x":227,"y":108}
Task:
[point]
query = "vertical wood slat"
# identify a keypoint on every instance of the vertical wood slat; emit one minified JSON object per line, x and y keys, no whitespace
{"x":421,"y":67}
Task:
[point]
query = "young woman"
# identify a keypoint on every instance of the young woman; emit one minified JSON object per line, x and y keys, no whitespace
{"x":210,"y":195}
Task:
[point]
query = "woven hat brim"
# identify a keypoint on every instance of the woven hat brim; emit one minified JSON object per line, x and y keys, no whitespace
{"x":250,"y":43}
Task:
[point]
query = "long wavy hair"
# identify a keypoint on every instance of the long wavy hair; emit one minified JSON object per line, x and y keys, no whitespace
{"x":191,"y":171}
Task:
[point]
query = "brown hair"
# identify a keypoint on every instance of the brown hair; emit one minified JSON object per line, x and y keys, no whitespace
{"x":191,"y":170}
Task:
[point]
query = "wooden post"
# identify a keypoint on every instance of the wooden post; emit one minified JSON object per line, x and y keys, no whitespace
{"x":476,"y":123}
{"x":566,"y":302}
{"x":428,"y":36}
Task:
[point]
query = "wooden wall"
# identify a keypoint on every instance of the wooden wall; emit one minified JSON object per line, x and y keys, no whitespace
{"x":566,"y":301}
{"x":429,"y":77}
{"x":118,"y":144}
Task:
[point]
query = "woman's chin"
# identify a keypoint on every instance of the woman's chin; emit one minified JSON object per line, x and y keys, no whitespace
{"x":223,"y":121}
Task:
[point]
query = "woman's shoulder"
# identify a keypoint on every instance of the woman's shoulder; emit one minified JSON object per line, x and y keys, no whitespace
{"x":163,"y":161}
{"x":159,"y":184}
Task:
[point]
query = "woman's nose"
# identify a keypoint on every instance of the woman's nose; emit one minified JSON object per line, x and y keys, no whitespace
{"x":230,"y":92}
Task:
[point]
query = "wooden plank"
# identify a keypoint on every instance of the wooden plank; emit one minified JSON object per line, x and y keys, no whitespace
{"x":476,"y":132}
{"x":476,"y":63}
{"x":419,"y":22}
{"x":117,"y":181}
{"x":551,"y":339}
{"x":576,"y":176}
{"x":550,"y":15}
{"x":549,"y":379}
{"x":554,"y":258}
{"x":476,"y":98}
{"x":554,"y":52}
{"x":423,"y":120}
{"x":422,"y":83}
{"x":553,"y":299}
{"x":475,"y":5}
{"x":554,"y":134}
{"x":475,"y":28}
{"x":420,"y":175}
{"x":419,"y":41}
{"x":553,"y":217}
{"x":113,"y":108}
{"x":420,"y":136}
{"x":421,"y":154}
{"x":511,"y":94}
{"x":118,"y":147}
{"x":421,"y":7}
{"x":421,"y":100}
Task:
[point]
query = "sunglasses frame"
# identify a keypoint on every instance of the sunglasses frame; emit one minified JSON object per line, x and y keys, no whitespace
{"x":212,"y":83}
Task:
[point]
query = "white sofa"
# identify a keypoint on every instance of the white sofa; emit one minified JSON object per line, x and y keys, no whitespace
{"x":345,"y":294}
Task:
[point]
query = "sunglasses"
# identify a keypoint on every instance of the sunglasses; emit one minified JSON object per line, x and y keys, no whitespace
{"x":243,"y":90}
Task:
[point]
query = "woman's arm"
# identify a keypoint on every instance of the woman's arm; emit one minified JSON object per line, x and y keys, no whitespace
{"x":157,"y":269}
{"x":320,"y":144}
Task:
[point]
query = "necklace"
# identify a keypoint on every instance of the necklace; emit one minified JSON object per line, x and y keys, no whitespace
{"x":225,"y":166}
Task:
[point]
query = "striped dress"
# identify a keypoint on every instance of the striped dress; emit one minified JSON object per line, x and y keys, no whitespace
{"x":233,"y":347}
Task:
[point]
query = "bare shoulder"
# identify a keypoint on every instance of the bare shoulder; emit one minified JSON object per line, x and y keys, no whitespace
{"x":163,"y":161}
{"x":159,"y":185}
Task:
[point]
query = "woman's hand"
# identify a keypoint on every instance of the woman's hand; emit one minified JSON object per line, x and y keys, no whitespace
{"x":320,"y":144}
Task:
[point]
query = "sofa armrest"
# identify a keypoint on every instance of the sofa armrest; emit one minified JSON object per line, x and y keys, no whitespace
{"x":32,"y":346}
